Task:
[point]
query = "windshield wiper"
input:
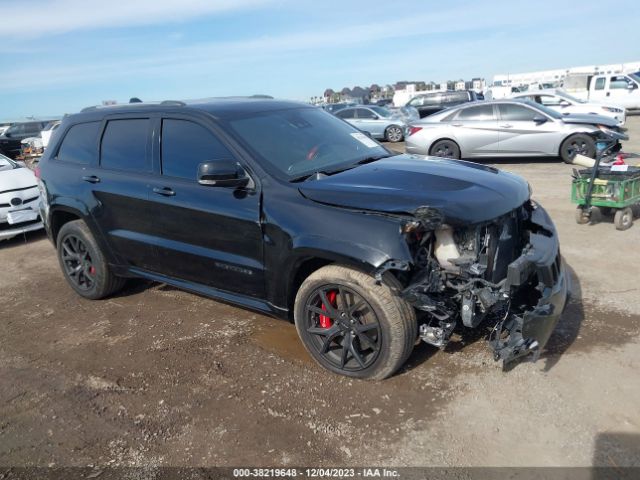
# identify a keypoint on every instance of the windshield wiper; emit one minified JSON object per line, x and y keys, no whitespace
{"x":373,"y":158}
{"x":362,"y":161}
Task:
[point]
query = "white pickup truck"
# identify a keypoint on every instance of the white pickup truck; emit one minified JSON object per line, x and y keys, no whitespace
{"x":617,"y":88}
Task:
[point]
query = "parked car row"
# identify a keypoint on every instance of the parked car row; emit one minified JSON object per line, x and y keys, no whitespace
{"x":26,"y":138}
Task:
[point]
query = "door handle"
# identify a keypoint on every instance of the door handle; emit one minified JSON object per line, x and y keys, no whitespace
{"x":166,"y":191}
{"x":608,"y":93}
{"x":91,"y":179}
{"x":456,"y":124}
{"x":506,"y":125}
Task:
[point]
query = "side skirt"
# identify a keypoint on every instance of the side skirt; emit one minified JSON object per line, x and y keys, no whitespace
{"x":255,"y":304}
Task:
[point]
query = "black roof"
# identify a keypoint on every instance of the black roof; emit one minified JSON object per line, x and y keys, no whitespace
{"x":217,"y":107}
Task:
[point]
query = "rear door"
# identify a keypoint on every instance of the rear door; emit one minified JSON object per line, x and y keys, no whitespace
{"x":203,"y":234}
{"x":476,"y":130}
{"x":120,"y":188}
{"x":519,"y":134}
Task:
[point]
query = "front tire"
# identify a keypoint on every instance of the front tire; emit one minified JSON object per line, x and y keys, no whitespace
{"x":578,"y":143}
{"x":445,"y":149}
{"x":83,"y":264}
{"x":353,"y":326}
{"x":393,"y":134}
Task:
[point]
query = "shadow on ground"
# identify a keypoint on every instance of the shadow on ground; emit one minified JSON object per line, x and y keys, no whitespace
{"x":616,"y":455}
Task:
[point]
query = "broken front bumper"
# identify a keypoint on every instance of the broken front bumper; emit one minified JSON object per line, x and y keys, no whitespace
{"x":519,"y":335}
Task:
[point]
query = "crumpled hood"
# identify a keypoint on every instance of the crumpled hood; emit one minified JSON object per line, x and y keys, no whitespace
{"x":463,"y":192}
{"x":590,"y":118}
{"x":17,"y":178}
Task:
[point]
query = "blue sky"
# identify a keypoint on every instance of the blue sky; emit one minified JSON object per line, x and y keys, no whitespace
{"x":58,"y":56}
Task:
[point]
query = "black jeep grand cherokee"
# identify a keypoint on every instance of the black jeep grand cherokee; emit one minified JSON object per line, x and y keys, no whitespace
{"x":283,"y":208}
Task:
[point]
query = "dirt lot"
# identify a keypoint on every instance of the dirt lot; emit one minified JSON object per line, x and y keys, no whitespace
{"x":156,"y":376}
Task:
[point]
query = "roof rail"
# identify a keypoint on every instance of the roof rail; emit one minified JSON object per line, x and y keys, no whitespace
{"x":176,"y":103}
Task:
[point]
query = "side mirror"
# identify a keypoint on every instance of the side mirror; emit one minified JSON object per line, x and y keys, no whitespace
{"x":222,"y":173}
{"x":7,"y":134}
{"x":632,"y":86}
{"x":564,"y":103}
{"x":539,"y":119}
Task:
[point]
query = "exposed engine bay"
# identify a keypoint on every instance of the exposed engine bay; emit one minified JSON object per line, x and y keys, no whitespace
{"x":489,"y":273}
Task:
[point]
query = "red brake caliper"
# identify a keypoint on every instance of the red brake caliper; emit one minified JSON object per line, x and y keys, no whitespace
{"x":92,"y":270}
{"x":325,"y":322}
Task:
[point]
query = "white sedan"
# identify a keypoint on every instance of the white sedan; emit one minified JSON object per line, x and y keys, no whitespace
{"x":564,"y":103}
{"x":19,"y":199}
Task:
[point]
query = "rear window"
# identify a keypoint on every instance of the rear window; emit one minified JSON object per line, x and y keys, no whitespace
{"x":185,"y":145}
{"x":456,"y":97}
{"x":351,"y":113}
{"x":80,"y":144}
{"x":479,"y":112}
{"x":124,"y":145}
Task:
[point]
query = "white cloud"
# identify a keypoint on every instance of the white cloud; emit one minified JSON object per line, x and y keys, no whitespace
{"x":37,"y":18}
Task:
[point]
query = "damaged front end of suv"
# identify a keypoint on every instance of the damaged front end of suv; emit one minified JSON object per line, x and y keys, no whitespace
{"x":506,"y":273}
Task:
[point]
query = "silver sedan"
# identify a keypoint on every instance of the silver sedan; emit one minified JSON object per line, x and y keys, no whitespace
{"x":505,"y":128}
{"x":379,"y":122}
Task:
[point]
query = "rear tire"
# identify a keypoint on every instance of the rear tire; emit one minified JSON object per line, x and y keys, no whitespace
{"x":445,"y":149}
{"x":83,"y":264}
{"x":393,"y":134}
{"x":358,"y":307}
{"x":577,"y":143}
{"x":623,"y":218}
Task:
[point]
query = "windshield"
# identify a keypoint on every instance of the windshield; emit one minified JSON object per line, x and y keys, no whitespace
{"x":548,"y":111}
{"x":7,"y":163}
{"x":382,"y":111}
{"x":635,"y":76}
{"x":302,"y":141}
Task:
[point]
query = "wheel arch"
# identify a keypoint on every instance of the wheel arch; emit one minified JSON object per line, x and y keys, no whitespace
{"x":451,"y":139}
{"x":59,"y":216}
{"x":307,"y":262}
{"x":581,"y":131}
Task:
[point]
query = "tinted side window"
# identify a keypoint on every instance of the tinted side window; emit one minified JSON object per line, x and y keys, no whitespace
{"x":351,"y":113}
{"x":600,"y":83}
{"x":457,"y":97}
{"x":479,"y":112}
{"x":185,"y":145}
{"x":80,"y":144}
{"x":364,"y":113}
{"x":124,"y":145}
{"x":516,"y":113}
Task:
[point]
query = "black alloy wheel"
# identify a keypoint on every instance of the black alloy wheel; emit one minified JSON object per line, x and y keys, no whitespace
{"x":343,"y":328}
{"x":78,"y":263}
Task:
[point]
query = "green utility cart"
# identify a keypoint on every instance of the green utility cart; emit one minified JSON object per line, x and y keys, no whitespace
{"x":612,"y":191}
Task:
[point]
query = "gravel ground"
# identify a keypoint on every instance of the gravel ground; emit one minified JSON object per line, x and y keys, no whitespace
{"x":156,"y":376}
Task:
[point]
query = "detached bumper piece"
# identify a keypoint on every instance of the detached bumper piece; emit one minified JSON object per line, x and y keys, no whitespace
{"x":522,"y":334}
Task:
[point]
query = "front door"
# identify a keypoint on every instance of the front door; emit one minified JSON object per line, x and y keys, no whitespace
{"x":521,"y":135}
{"x":204,"y":234}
